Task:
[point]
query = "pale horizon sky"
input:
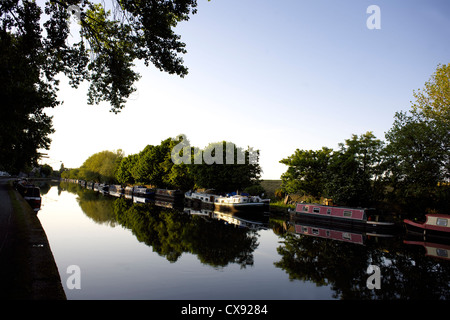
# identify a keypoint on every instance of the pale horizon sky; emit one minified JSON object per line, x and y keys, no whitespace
{"x":274,"y":75}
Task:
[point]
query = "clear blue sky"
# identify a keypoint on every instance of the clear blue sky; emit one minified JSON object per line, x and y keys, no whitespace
{"x":275,"y":75}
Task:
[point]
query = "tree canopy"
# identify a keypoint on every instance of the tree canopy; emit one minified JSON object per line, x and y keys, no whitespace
{"x":155,"y":166}
{"x":411,"y":168}
{"x":111,"y":40}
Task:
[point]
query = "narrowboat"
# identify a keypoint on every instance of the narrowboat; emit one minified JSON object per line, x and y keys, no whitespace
{"x":32,"y":195}
{"x":200,"y":199}
{"x":356,"y":217}
{"x":201,"y":196}
{"x":142,"y":191}
{"x":434,"y":225}
{"x":103,"y":188}
{"x":239,"y":202}
{"x":116,"y":188}
{"x":129,"y":190}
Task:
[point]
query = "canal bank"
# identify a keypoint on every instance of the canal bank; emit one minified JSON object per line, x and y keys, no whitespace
{"x":27,"y":268}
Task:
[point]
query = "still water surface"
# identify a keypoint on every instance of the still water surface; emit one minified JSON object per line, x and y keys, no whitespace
{"x":129,"y":250}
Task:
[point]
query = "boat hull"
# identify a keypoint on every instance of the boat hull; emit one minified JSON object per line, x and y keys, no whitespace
{"x":341,"y":216}
{"x":422,"y":229}
{"x":236,"y":207}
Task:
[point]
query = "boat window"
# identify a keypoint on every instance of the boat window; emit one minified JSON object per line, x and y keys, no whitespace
{"x":328,"y":233}
{"x":316,"y":210}
{"x":347,"y":213}
{"x":315,"y":231}
{"x":346,"y":236}
{"x":305,"y":229}
{"x":305,"y":208}
{"x":441,"y":222}
{"x":442,"y":253}
{"x":328,"y":211}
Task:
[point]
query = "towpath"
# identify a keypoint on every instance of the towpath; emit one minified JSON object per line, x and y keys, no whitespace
{"x":27,"y":267}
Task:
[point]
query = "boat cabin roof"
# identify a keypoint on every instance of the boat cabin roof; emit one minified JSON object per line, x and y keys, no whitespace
{"x":438,"y":215}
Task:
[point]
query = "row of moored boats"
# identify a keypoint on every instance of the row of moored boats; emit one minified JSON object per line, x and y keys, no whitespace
{"x":227,"y":202}
{"x":368,"y":219}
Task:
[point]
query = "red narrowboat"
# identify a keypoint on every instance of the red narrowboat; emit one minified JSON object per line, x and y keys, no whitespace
{"x":355,"y":217}
{"x":434,"y":225}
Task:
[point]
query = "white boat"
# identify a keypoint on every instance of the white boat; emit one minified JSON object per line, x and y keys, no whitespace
{"x":201,"y":196}
{"x":240,"y":202}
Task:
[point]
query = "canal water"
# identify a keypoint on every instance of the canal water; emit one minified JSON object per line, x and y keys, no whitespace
{"x":107,"y":247}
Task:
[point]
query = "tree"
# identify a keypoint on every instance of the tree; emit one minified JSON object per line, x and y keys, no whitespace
{"x":433,"y":102}
{"x":111,"y":40}
{"x":124,"y":173}
{"x":355,"y":171}
{"x":101,"y":167}
{"x":222,"y":174}
{"x":351,"y":175}
{"x":46,"y":170}
{"x":154,"y":166}
{"x":158,"y":166}
{"x":419,"y":146}
{"x":25,"y":93}
{"x":417,"y":159}
{"x":306,"y":171}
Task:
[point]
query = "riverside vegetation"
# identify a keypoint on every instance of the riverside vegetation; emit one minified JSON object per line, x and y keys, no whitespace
{"x":408,"y":173}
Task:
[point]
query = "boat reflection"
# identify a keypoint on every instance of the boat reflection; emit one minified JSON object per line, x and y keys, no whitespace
{"x":342,"y":233}
{"x":432,"y":246}
{"x":239,"y":219}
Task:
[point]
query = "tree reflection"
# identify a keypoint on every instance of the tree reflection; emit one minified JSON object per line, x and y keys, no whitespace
{"x":170,"y":232}
{"x":406,"y":273}
{"x":94,"y":205}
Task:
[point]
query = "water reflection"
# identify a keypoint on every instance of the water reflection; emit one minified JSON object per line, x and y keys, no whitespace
{"x":328,"y":257}
{"x":339,"y":258}
{"x":216,"y":239}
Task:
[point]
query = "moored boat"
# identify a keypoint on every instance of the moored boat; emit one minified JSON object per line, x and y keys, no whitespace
{"x":103,"y":188}
{"x":142,"y":191}
{"x":200,"y":199}
{"x":434,"y":225}
{"x":116,"y":190}
{"x":239,"y":202}
{"x":30,"y":193}
{"x":356,"y":217}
